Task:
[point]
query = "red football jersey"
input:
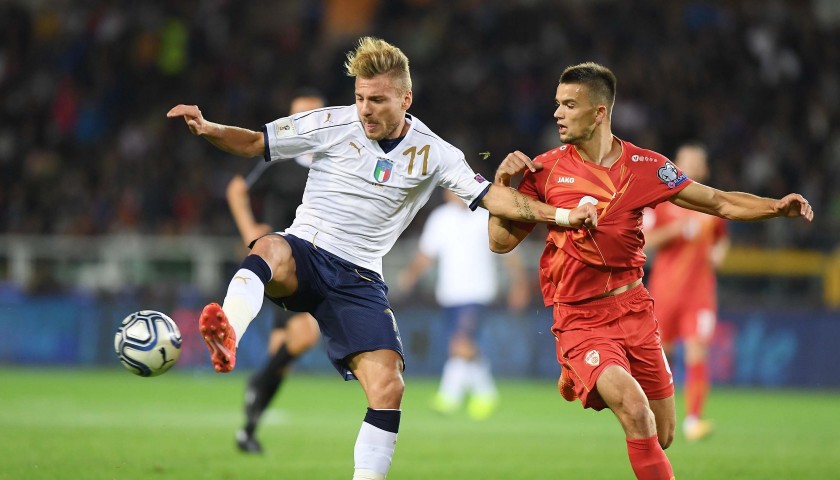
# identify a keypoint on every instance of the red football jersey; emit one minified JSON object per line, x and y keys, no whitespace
{"x":682,"y":275}
{"x":582,"y":263}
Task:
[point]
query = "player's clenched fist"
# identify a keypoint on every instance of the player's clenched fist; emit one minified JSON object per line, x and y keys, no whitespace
{"x":795,"y":205}
{"x":514,"y":164}
{"x":586,"y":215}
{"x":192,"y":115}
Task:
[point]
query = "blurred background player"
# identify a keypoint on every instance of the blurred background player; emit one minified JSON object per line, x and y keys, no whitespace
{"x":689,"y":247}
{"x":456,"y":238}
{"x":292,"y":333}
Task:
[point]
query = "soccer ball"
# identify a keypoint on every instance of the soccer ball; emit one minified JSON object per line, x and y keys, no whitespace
{"x":148,"y":343}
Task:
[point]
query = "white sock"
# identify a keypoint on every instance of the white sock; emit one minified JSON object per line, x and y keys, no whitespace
{"x":373,"y":452}
{"x":454,"y":380}
{"x":482,"y":380}
{"x":690,"y":421}
{"x":367,"y":475}
{"x":243,"y":301}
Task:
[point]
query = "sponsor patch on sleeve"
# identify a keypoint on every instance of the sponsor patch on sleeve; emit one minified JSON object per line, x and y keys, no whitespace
{"x":479,"y":178}
{"x":284,"y":127}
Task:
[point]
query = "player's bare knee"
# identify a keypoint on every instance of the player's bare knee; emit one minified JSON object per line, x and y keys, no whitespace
{"x":396,"y":389}
{"x":387,"y":392}
{"x":276,"y":252}
{"x":638,"y":418}
{"x":380,"y":374}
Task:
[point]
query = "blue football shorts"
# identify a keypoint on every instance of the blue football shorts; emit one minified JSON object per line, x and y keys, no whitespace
{"x":463,"y":320}
{"x":349,"y":302}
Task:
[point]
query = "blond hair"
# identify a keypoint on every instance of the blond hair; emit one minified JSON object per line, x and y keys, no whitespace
{"x":374,"y":56}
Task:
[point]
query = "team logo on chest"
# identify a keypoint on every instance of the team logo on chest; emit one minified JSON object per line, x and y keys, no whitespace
{"x":383,"y":169}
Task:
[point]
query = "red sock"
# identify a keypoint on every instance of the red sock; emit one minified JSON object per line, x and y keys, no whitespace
{"x":648,"y":459}
{"x":696,"y":388}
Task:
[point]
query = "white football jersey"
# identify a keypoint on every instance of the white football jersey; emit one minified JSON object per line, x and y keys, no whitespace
{"x":359,"y":199}
{"x":466,"y":268}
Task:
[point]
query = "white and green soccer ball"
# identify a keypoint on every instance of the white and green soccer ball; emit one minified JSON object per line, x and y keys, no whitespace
{"x":148,"y":343}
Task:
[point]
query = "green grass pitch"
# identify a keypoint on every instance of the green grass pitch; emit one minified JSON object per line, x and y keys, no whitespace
{"x":109,"y":424}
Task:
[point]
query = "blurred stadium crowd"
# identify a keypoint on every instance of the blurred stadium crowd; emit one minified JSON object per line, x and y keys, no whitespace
{"x":85,"y":147}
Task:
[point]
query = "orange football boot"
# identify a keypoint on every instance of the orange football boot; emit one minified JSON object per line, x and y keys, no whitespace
{"x":566,"y":386}
{"x":219,"y":336}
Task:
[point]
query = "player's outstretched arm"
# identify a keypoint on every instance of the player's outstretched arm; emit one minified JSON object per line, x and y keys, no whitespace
{"x":235,"y":140}
{"x":505,"y":203}
{"x":504,"y":234}
{"x":740,"y":205}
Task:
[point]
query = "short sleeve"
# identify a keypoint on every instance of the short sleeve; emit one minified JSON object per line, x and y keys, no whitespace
{"x":295,"y":135}
{"x":528,"y":185}
{"x":456,"y":175}
{"x":659,"y":181}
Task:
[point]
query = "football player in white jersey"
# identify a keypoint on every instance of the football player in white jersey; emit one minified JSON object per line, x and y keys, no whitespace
{"x":374,"y":166}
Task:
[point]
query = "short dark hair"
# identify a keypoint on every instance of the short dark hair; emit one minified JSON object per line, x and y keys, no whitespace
{"x":599,"y":79}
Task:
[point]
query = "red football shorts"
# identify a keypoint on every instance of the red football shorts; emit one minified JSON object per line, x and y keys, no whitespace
{"x":686,"y":323}
{"x":618,"y":330}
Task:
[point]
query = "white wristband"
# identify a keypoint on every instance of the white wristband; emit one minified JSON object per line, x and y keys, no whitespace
{"x":561,"y":217}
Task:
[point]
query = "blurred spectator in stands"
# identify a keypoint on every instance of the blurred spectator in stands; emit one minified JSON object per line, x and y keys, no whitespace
{"x":82,"y":84}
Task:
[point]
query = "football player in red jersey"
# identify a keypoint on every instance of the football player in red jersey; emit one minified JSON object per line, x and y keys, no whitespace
{"x":606,"y":333}
{"x":689,"y":247}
